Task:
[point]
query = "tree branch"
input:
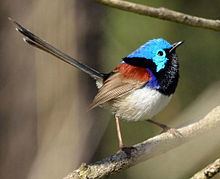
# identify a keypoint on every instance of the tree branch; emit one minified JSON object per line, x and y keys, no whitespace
{"x":148,"y":149}
{"x":208,"y":172}
{"x":163,"y":13}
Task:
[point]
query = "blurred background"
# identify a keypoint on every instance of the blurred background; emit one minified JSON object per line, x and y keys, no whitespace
{"x":45,"y":129}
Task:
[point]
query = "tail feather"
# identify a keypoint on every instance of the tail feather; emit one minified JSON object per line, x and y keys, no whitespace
{"x":35,"y":41}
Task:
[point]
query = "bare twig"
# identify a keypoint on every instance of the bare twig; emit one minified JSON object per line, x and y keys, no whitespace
{"x":163,"y":13}
{"x":148,"y":149}
{"x":208,"y":172}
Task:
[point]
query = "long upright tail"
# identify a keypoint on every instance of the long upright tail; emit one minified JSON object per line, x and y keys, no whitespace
{"x":35,"y":41}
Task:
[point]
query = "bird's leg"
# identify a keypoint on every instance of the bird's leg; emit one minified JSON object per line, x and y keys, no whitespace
{"x":127,"y":150}
{"x":121,"y":145}
{"x":165,"y":128}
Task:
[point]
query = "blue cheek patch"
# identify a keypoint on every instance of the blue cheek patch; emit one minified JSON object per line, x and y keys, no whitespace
{"x":160,"y":62}
{"x":160,"y":66}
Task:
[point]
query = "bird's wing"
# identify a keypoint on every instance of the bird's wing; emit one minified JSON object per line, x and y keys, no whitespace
{"x":114,"y":87}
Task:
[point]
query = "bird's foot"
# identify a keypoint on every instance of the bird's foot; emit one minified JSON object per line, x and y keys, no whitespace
{"x":171,"y":130}
{"x":166,"y":128}
{"x":127,"y":150}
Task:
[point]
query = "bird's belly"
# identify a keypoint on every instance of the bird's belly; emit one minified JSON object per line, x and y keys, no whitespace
{"x":141,"y":104}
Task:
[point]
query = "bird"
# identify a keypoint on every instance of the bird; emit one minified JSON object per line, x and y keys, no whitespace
{"x":137,"y":89}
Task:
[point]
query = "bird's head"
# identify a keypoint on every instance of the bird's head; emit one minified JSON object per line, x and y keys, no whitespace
{"x":154,"y":54}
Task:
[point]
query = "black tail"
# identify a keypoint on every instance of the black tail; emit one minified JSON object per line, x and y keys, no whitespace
{"x":35,"y":41}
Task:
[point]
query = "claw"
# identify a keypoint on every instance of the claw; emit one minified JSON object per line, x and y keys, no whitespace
{"x":172,"y":131}
{"x":128,"y":150}
{"x":166,"y":128}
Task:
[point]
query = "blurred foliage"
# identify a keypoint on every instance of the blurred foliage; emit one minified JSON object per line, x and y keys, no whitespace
{"x":199,"y":59}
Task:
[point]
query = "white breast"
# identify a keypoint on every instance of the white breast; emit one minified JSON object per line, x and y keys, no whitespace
{"x":141,"y":104}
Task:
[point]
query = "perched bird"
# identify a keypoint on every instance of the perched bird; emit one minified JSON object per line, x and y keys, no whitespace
{"x":138,"y":88}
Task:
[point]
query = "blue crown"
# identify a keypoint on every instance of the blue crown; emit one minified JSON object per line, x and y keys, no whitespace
{"x":149,"y":49}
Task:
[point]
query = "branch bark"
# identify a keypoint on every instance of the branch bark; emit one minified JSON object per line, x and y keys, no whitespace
{"x":208,"y":172}
{"x":148,"y":149}
{"x":163,"y":13}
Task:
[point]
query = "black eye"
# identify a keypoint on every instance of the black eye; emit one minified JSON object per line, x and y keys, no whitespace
{"x":160,"y":53}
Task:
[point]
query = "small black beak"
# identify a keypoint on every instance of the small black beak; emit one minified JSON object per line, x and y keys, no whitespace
{"x":175,"y":45}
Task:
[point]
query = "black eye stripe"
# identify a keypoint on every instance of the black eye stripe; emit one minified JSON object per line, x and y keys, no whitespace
{"x":135,"y":61}
{"x":140,"y":62}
